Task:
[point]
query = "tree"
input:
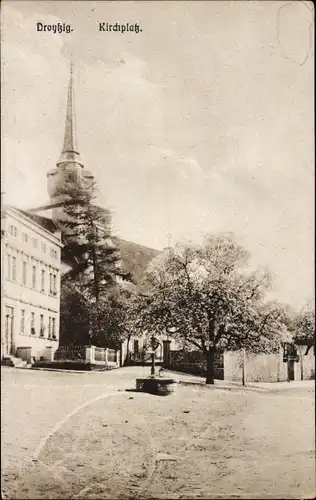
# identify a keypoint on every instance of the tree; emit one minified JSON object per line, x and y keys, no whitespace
{"x":95,"y":259}
{"x":91,"y":288}
{"x":204,"y":297}
{"x":303,"y":328}
{"x":111,"y":320}
{"x":74,"y":315}
{"x":105,"y":324}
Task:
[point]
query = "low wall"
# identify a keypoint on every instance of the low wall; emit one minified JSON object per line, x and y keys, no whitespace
{"x":307,"y":363}
{"x":257,"y":367}
{"x":267,"y":367}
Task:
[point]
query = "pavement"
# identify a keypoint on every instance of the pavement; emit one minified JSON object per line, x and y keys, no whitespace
{"x":195,"y":379}
{"x":230,"y":385}
{"x":89,"y":435}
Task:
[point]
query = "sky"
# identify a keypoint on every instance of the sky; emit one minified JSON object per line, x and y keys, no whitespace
{"x":202,"y":122}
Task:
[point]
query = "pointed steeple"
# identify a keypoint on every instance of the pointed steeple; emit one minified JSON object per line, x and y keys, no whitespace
{"x":70,"y":151}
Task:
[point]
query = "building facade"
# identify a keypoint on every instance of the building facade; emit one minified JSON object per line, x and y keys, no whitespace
{"x":30,"y":284}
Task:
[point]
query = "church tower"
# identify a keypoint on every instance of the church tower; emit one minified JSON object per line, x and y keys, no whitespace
{"x":69,"y":172}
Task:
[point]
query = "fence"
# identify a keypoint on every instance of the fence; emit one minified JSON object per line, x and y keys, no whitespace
{"x":112,"y":356}
{"x":88,"y":354}
{"x":70,"y":353}
{"x":99,"y":354}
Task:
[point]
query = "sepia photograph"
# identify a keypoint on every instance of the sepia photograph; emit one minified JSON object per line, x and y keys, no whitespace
{"x":157,"y":250}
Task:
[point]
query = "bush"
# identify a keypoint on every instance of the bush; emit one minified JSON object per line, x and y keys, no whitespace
{"x":194,"y":363}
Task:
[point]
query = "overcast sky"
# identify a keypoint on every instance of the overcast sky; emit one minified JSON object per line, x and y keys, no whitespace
{"x":203,"y":122}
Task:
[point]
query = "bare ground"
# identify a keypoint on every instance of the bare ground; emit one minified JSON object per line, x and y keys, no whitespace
{"x":79,"y":440}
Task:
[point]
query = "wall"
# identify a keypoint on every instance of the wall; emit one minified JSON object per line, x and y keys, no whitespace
{"x":307,"y":363}
{"x":29,"y":243}
{"x":266,"y":367}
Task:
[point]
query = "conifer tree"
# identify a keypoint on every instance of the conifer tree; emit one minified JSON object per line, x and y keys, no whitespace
{"x":95,"y":275}
{"x":95,"y":259}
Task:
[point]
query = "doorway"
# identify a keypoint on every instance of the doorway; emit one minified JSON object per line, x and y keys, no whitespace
{"x":8,"y":330}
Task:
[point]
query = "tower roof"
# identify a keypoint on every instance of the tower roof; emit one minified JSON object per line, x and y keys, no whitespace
{"x":70,"y":151}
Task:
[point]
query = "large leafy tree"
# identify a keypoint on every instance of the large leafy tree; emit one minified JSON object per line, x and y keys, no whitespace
{"x":204,"y":297}
{"x":110,"y":320}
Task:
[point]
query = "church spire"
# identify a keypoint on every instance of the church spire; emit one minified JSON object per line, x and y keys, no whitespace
{"x":70,"y":151}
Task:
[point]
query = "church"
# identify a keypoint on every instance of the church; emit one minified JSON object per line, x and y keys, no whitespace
{"x":69,"y":173}
{"x":30,"y":306}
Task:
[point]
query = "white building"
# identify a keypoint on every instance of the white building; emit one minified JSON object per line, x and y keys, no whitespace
{"x":30,"y":284}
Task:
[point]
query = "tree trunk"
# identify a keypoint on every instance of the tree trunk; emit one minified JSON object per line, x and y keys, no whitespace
{"x":210,"y":366}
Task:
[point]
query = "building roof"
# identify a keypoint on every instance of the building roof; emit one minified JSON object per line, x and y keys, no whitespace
{"x":44,"y":222}
{"x":70,"y":151}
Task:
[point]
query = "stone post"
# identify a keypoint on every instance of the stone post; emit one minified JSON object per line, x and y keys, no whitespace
{"x":106,"y":355}
{"x":49,"y":355}
{"x":122,"y":353}
{"x":90,"y":353}
{"x":166,"y":353}
{"x":118,"y":358}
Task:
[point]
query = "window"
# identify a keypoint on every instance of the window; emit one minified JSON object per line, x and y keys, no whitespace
{"x":34,"y":276}
{"x":42,"y":327}
{"x":54,"y":328}
{"x":34,"y":242}
{"x":50,"y":282}
{"x":24,"y":273}
{"x":13,"y":230}
{"x":32,"y":323}
{"x":54,"y":284}
{"x":43,"y":280}
{"x":71,"y":177}
{"x":25,"y":237}
{"x":43,"y":247}
{"x":22,"y":324}
{"x":53,"y":253}
{"x":13,"y":275}
{"x":8,"y":267}
{"x":49,"y":327}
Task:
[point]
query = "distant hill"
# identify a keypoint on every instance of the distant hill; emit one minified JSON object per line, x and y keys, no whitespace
{"x":135,"y":257}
